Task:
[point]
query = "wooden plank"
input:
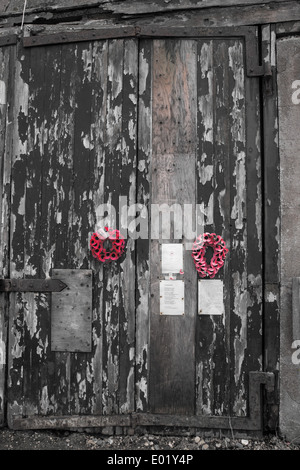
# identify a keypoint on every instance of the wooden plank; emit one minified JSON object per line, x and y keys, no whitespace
{"x":271,"y":226}
{"x":222,"y":191}
{"x":128,"y":191}
{"x":17,"y":313}
{"x":255,"y":344}
{"x":7,"y":40}
{"x":174,"y":129}
{"x":271,"y":161}
{"x":103,"y":33}
{"x":201,"y":14}
{"x":59,"y":363}
{"x":81,"y":397}
{"x":6,"y":95}
{"x":213,"y":189}
{"x":111,"y":275}
{"x":224,"y":176}
{"x":114,"y":150}
{"x":219,"y":16}
{"x":98,"y":132}
{"x":200,"y":422}
{"x":246,"y":243}
{"x":40,"y":200}
{"x":138,"y":8}
{"x":238,"y":207}
{"x":71,"y":322}
{"x":135,"y":7}
{"x":69,"y":422}
{"x":143,"y":242}
{"x":26,"y":225}
{"x":172,"y":379}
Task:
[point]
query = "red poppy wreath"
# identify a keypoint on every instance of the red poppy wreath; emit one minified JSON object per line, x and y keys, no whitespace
{"x":198,"y":253}
{"x":101,"y":252}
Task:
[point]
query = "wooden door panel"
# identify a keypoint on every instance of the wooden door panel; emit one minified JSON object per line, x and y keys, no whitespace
{"x":84,"y":113}
{"x":229,"y":348}
{"x":206,"y":152}
{"x":172,"y":339}
{"x":75,"y":150}
{"x":6,"y":74}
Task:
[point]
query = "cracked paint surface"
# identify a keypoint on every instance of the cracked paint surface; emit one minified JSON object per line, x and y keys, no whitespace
{"x":92,"y":123}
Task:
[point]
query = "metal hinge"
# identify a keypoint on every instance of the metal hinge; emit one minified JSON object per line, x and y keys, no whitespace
{"x":268,"y":79}
{"x":31,"y":285}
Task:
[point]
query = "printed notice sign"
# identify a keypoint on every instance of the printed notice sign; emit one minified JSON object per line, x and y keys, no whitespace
{"x":210,"y":297}
{"x":172,"y":297}
{"x":171,"y":258}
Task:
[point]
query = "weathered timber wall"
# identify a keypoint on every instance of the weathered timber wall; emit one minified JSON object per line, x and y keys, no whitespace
{"x":198,"y":13}
{"x":126,"y":7}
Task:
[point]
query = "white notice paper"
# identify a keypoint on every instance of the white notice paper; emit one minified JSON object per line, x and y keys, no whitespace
{"x":172,"y":297}
{"x":171,"y":258}
{"x":210,"y":297}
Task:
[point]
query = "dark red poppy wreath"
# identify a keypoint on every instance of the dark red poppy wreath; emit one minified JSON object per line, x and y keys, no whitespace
{"x":103,"y":254}
{"x":218,"y":258}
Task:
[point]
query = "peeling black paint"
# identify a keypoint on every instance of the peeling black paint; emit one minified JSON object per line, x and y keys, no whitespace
{"x":89,"y":135}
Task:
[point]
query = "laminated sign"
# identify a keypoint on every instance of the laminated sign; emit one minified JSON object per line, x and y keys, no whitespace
{"x":172,"y":297}
{"x":172,"y":258}
{"x":210,"y":297}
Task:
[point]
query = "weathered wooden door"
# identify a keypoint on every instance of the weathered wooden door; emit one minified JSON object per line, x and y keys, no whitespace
{"x":153,"y":122}
{"x":206,"y":153}
{"x":74,"y":148}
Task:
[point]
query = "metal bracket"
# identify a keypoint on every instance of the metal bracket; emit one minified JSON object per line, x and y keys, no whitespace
{"x":252,"y":423}
{"x":31,"y":285}
{"x":33,"y":37}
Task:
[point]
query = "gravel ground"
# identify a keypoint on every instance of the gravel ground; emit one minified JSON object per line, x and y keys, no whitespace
{"x":65,"y":440}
